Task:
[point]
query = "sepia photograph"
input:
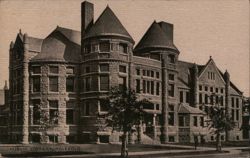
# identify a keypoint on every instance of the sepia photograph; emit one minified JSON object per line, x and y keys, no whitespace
{"x":125,"y":78}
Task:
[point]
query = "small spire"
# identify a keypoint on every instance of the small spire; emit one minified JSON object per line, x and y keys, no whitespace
{"x":210,"y":57}
{"x":5,"y":85}
{"x":20,"y":31}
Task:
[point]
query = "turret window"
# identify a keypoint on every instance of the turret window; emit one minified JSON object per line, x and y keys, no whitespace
{"x":36,"y":69}
{"x":104,"y":47}
{"x":54,"y":69}
{"x":104,"y":83}
{"x":171,"y":90}
{"x":123,"y":48}
{"x":171,"y":77}
{"x":53,"y":84}
{"x":122,"y":68}
{"x":171,"y":59}
{"x":104,"y":67}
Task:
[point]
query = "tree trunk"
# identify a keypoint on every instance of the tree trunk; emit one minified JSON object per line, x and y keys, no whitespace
{"x":218,"y":142}
{"x":124,"y":149}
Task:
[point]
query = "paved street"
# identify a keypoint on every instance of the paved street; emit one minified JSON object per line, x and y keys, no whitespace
{"x":240,"y":155}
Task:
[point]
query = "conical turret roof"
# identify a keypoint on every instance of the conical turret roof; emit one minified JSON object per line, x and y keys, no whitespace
{"x":155,"y":37}
{"x":108,"y":24}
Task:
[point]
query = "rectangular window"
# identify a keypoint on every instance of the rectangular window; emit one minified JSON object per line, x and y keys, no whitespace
{"x":157,"y":107}
{"x":200,"y":98}
{"x":148,"y":87}
{"x":211,"y":89}
{"x":200,"y":87}
{"x":171,"y":59}
{"x":237,"y":102}
{"x":104,"y":83}
{"x":157,"y":75}
{"x":70,"y":70}
{"x":148,"y":73}
{"x":181,"y":121}
{"x":237,"y":115}
{"x":104,"y":67}
{"x":171,"y":90}
{"x":87,"y":69}
{"x":144,"y":72}
{"x":70,"y":82}
{"x":123,"y":48}
{"x":104,"y":105}
{"x":171,"y":119}
{"x":70,"y":116}
{"x":148,"y":106}
{"x":87,"y":109}
{"x":232,"y":100}
{"x":171,"y":77}
{"x":36,"y":111}
{"x":36,"y":69}
{"x":87,"y":84}
{"x":53,"y":112}
{"x":181,"y":96}
{"x":122,"y":82}
{"x":157,"y":88}
{"x":216,"y":90}
{"x":87,"y":48}
{"x":53,"y":84}
{"x":104,"y":47}
{"x":206,"y":99}
{"x":122,"y":68}
{"x":144,"y":86}
{"x":36,"y":84}
{"x":187,"y":97}
{"x":232,"y":114}
{"x":202,"y":121}
{"x":221,"y":90}
{"x":222,"y":100}
{"x":54,"y":69}
{"x":152,"y":74}
{"x":138,"y":86}
{"x":138,"y":72}
{"x":206,"y":88}
{"x":195,"y":121}
{"x":152,"y":87}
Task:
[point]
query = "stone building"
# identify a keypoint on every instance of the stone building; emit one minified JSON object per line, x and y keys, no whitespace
{"x":68,"y":73}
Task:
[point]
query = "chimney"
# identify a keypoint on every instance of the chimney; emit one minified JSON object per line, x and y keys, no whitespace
{"x":168,"y":29}
{"x":87,"y":15}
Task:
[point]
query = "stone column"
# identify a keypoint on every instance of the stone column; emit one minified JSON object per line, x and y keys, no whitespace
{"x":164,"y":95}
{"x":25,"y":128}
{"x":140,"y":132}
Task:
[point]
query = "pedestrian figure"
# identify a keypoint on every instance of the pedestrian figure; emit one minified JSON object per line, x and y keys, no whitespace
{"x":195,"y":142}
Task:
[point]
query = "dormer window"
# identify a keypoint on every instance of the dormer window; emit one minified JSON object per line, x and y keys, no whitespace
{"x":171,"y":59}
{"x":104,"y":46}
{"x":123,"y":48}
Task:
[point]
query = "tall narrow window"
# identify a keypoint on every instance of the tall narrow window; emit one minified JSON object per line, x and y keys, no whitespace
{"x":87,"y":84}
{"x":104,"y":83}
{"x":171,"y":115}
{"x":157,"y":75}
{"x":157,"y":88}
{"x":200,"y":98}
{"x":181,"y":96}
{"x":232,"y":114}
{"x":53,"y":83}
{"x":171,"y":77}
{"x":138,"y":86}
{"x":187,"y":97}
{"x":148,"y":87}
{"x":36,"y":84}
{"x":122,"y":82}
{"x":152,"y":87}
{"x":69,"y":116}
{"x":232,"y":100}
{"x":171,"y":59}
{"x":36,"y":111}
{"x":144,"y":86}
{"x":206,"y":99}
{"x":70,"y":82}
{"x":171,"y":90}
{"x":138,"y":72}
{"x":237,"y":102}
{"x":181,"y":121}
{"x":195,"y":121}
{"x":53,"y":112}
{"x":202,"y":121}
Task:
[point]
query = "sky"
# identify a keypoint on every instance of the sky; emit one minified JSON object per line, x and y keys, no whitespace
{"x":202,"y":28}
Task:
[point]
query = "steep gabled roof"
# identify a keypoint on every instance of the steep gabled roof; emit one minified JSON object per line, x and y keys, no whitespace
{"x":60,"y":46}
{"x":73,"y":35}
{"x":154,"y":37}
{"x":108,"y":24}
